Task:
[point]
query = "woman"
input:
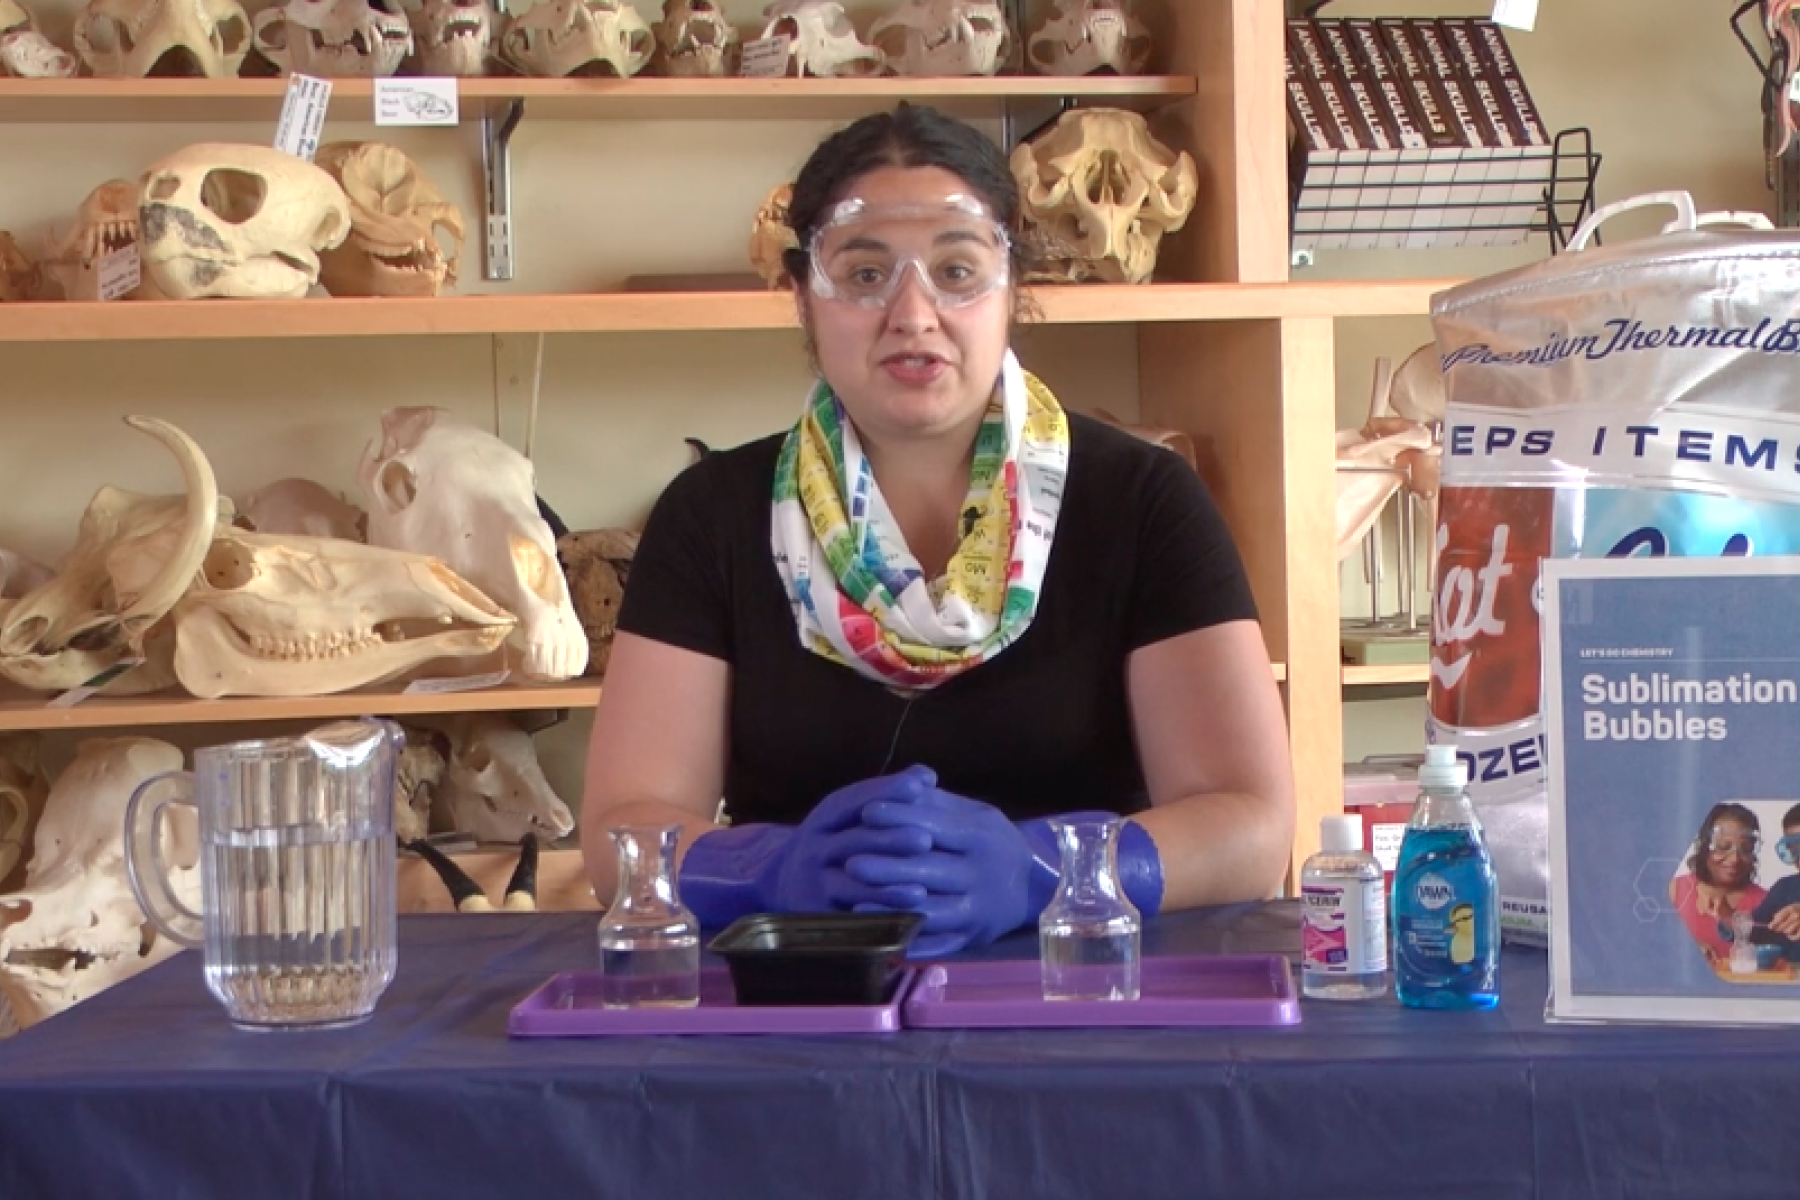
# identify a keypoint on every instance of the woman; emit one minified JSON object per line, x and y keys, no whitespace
{"x":1721,"y":878}
{"x":936,"y":569}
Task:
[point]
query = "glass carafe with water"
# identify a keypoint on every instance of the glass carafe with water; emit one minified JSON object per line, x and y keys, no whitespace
{"x":297,"y":872}
{"x":1090,"y":935}
{"x":649,"y":940}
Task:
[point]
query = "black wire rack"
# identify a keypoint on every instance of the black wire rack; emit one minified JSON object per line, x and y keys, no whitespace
{"x":1781,"y":166}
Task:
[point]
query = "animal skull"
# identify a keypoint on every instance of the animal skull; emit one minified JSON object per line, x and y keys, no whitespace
{"x":493,"y":788}
{"x":578,"y":37}
{"x":14,"y":18}
{"x":771,"y":237}
{"x":396,"y":216}
{"x":822,"y":40}
{"x":597,"y":564}
{"x":453,"y":37}
{"x":419,"y":775}
{"x":944,"y":37}
{"x":31,"y":55}
{"x":435,"y":484}
{"x":75,"y":929}
{"x":301,"y":616}
{"x":236,"y":220}
{"x":23,"y":789}
{"x":1099,"y":193}
{"x":694,"y":39}
{"x":335,"y":39}
{"x":133,"y":39}
{"x":303,"y":507}
{"x":106,"y":221}
{"x":19,"y":276}
{"x":1084,"y":36}
{"x":132,"y":560}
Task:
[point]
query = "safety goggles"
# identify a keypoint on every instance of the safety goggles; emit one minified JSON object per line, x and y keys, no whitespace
{"x":1788,"y":848}
{"x":956,"y":250}
{"x":1720,"y":845}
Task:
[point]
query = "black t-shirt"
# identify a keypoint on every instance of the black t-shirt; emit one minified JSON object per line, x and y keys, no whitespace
{"x":1140,"y":554}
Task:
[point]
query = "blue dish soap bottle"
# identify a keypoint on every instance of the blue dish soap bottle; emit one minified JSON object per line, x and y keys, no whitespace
{"x":1446,"y":901}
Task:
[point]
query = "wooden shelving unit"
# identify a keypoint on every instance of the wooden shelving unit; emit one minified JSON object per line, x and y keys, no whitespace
{"x":657,"y":312}
{"x":1357,"y":675}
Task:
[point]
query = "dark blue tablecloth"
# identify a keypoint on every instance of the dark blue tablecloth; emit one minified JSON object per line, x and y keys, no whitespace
{"x":146,"y":1092}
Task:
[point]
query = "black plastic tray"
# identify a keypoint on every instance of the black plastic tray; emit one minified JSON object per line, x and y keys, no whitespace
{"x":816,"y":958}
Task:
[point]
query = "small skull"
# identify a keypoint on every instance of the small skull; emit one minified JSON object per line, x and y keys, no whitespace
{"x":107,"y":221}
{"x":822,"y":40}
{"x":694,"y":40}
{"x":134,"y":39}
{"x":30,"y":55}
{"x":454,"y":37}
{"x":944,"y":37}
{"x":597,"y":563}
{"x":771,"y":237}
{"x":336,"y":39}
{"x":1085,"y":36}
{"x":579,"y":37}
{"x":400,"y":225}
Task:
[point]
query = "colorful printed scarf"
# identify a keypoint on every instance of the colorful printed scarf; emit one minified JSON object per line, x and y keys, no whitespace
{"x":859,"y":595}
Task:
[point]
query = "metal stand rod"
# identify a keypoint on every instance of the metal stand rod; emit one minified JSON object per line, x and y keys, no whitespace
{"x":496,"y":173}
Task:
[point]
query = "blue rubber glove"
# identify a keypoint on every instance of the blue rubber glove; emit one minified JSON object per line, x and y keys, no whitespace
{"x":985,"y":875}
{"x":731,"y":873}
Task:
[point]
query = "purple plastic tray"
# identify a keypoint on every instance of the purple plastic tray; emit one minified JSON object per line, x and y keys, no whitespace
{"x":568,"y":1005}
{"x":1251,"y":989}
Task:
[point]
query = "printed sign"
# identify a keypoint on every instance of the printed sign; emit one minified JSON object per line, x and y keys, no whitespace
{"x":1516,"y":14}
{"x":765,"y":58}
{"x":120,"y":273}
{"x":302,"y":116}
{"x":421,"y":101}
{"x":464,"y":683}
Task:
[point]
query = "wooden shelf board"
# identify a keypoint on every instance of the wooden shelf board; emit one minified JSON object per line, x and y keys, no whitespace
{"x":664,"y":311}
{"x":219,"y":100}
{"x":1356,"y":675}
{"x":21,"y":710}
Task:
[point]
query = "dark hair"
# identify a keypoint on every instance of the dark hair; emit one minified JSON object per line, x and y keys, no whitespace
{"x":1697,"y":861}
{"x":913,"y":135}
{"x":1791,"y":817}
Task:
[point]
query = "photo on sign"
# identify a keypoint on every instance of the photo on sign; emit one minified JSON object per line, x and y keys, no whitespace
{"x":1736,"y":889}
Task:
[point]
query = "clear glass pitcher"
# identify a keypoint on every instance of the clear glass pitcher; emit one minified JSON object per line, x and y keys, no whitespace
{"x":297,"y":872}
{"x":1090,"y":935}
{"x":649,"y":940}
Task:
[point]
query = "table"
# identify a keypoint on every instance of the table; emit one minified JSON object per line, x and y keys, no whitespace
{"x":145,"y":1091}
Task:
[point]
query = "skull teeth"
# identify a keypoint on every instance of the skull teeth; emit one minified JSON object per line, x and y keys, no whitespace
{"x":312,"y":647}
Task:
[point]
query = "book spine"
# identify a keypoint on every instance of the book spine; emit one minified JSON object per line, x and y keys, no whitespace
{"x":1318,"y":71}
{"x":1438,"y":62}
{"x":1430,"y":107}
{"x":1498,"y":57}
{"x":1484,"y":87}
{"x":1305,"y":105}
{"x":1363,"y":107}
{"x":1371,"y":55}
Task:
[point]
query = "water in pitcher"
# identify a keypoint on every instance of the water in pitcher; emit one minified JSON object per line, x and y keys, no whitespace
{"x":302,"y":921}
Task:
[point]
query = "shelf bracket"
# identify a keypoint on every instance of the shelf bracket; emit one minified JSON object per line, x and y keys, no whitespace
{"x":496,"y":175}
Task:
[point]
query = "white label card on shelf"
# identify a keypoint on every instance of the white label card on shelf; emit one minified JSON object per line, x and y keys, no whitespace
{"x":765,"y":58}
{"x":77,"y":694}
{"x":303,"y":116}
{"x":1516,"y":14}
{"x":461,"y":683}
{"x":426,"y":100}
{"x":120,"y":272}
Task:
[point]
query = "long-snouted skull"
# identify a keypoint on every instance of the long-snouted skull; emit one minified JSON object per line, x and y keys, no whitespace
{"x":493,"y":788}
{"x":26,"y":54}
{"x":437,"y":485}
{"x":822,"y":39}
{"x":299,"y":616}
{"x":222,"y":219}
{"x":1084,"y":36}
{"x":335,"y":39}
{"x":75,"y":929}
{"x":405,"y":237}
{"x":106,"y":221}
{"x":132,"y":39}
{"x":132,"y":560}
{"x":1099,"y":193}
{"x":694,"y":40}
{"x":578,"y":37}
{"x":453,"y":37}
{"x":944,"y":37}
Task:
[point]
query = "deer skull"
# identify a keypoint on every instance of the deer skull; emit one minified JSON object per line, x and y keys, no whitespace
{"x":578,"y":37}
{"x":19,"y":276}
{"x":299,"y":616}
{"x":335,"y":39}
{"x":944,"y":37}
{"x":234,"y":220}
{"x":1084,"y":36}
{"x":453,"y":37}
{"x":106,"y":221}
{"x":1099,"y":193}
{"x":133,"y":39}
{"x":23,"y":789}
{"x":437,"y":485}
{"x":75,"y":929}
{"x":771,"y":237}
{"x":694,"y":39}
{"x":821,"y":39}
{"x":493,"y":788}
{"x":30,"y":55}
{"x":303,"y":507}
{"x":396,"y":218}
{"x":132,"y":560}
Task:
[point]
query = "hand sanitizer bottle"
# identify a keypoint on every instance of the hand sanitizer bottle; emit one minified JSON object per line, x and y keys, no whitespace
{"x":1343,"y":916}
{"x":1446,"y":901}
